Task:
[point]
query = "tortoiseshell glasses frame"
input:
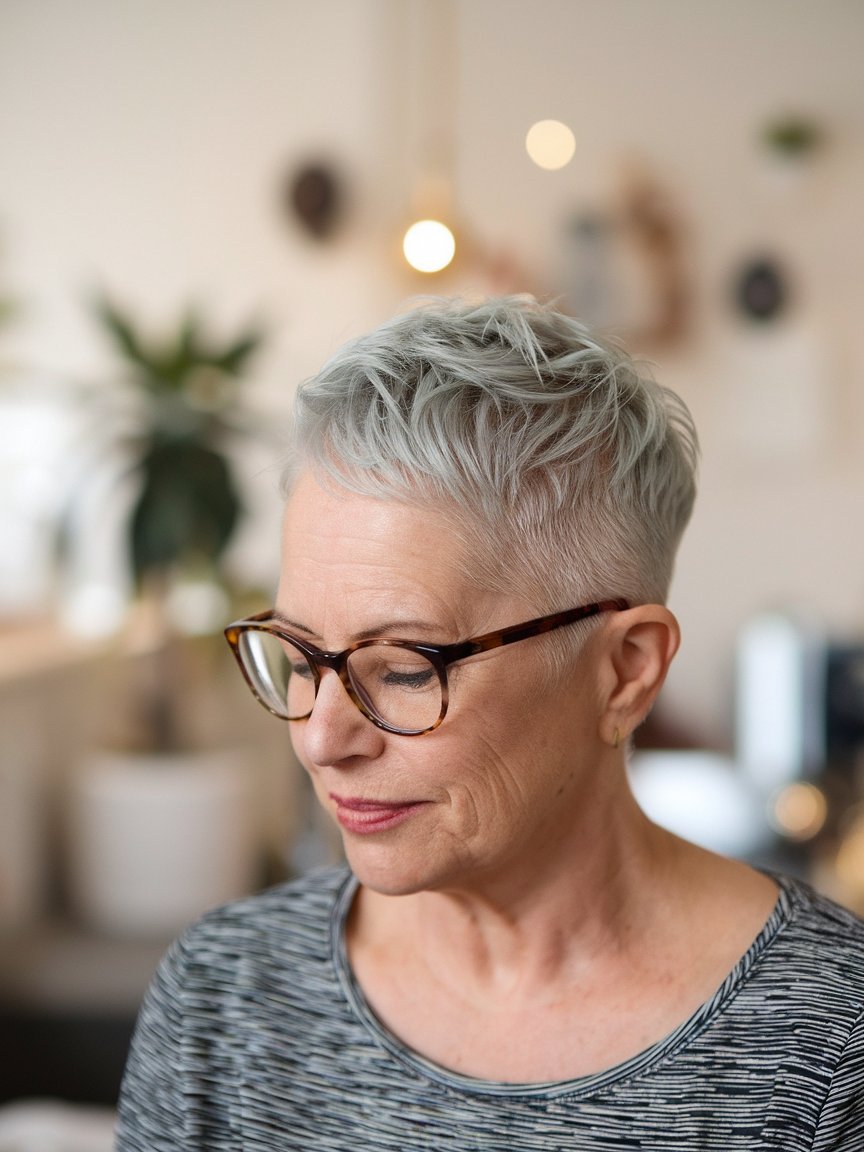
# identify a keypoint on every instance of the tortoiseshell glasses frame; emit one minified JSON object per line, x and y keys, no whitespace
{"x":439,"y":656}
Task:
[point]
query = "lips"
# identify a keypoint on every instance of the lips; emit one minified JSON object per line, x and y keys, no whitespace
{"x":364,"y":817}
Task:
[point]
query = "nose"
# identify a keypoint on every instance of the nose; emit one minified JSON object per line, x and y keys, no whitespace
{"x":337,"y":731}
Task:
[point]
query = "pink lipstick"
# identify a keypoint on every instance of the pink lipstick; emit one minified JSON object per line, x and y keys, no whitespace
{"x":364,"y":817}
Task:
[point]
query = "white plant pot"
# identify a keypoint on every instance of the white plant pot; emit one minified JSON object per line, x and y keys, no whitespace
{"x":156,"y":840}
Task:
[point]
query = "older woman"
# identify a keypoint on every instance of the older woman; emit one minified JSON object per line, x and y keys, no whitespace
{"x":483,"y":508}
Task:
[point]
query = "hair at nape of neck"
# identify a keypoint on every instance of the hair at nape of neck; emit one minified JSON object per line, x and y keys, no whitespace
{"x":568,"y":469}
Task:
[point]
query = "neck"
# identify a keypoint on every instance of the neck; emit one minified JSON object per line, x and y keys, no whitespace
{"x":531,"y":927}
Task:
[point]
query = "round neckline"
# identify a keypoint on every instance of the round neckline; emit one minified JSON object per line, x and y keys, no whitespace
{"x":636,"y":1065}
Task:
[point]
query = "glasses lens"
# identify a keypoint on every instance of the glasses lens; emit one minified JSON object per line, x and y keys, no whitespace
{"x":399,"y":686}
{"x":280,"y":673}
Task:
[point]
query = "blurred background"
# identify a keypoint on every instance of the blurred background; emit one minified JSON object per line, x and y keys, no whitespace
{"x":198,"y":203}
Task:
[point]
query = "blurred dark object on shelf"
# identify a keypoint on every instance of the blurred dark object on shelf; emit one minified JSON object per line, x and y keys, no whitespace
{"x":314,"y":196}
{"x":761,"y":290}
{"x":844,"y":705}
{"x":793,"y":136}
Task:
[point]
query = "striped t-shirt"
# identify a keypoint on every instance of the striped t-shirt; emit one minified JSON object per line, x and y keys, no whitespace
{"x":255,"y":1036}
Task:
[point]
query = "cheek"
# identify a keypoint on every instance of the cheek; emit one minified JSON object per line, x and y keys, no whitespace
{"x":490,"y":774}
{"x":503,"y":721}
{"x":510,"y":747}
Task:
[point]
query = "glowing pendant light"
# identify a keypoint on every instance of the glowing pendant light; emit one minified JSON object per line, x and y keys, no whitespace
{"x":429,"y":246}
{"x":429,"y":242}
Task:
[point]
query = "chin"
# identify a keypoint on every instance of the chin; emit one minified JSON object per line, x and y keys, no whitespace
{"x":401,"y":870}
{"x":388,"y":873}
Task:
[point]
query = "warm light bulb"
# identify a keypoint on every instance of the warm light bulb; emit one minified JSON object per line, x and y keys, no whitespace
{"x":429,"y":246}
{"x":799,"y":810}
{"x":550,"y":144}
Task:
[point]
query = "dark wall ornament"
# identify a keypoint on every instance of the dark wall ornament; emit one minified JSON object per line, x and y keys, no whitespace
{"x":761,"y":291}
{"x":313,"y":196}
{"x":793,"y":136}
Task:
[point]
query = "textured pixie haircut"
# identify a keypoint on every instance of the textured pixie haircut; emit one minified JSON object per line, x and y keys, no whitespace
{"x":565,"y":473}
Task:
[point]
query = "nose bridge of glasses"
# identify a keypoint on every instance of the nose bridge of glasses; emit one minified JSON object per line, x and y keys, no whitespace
{"x":336,"y":661}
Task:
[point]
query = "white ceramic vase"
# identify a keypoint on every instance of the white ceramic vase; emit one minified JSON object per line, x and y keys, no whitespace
{"x":156,"y":840}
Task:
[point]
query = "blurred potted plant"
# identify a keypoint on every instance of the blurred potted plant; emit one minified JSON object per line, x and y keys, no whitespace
{"x":187,"y":504}
{"x":161,"y":833}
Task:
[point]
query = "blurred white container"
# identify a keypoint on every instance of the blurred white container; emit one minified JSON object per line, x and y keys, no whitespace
{"x":779,"y":707}
{"x":702,"y":797}
{"x":156,"y":840}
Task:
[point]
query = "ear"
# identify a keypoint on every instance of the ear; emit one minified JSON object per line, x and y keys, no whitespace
{"x":640,"y":644}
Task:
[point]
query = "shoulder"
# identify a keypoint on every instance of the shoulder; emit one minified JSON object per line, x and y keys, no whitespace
{"x":819,"y":949}
{"x":309,"y":899}
{"x":284,"y":926}
{"x":249,"y":977}
{"x":813,"y":917}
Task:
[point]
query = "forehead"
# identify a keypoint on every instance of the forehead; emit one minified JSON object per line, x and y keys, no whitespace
{"x":352,"y":562}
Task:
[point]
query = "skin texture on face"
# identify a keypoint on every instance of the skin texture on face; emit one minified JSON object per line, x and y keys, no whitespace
{"x":504,"y":866}
{"x":508,"y":777}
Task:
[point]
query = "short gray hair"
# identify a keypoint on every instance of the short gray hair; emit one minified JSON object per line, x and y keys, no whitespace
{"x":568,"y":472}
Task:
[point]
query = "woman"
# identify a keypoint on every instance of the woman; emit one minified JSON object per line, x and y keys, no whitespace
{"x":517,"y":958}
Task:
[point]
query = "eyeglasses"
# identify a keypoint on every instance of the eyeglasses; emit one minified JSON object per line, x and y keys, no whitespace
{"x":400,"y":685}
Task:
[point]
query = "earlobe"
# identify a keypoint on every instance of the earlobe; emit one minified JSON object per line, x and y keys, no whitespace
{"x":642,"y":643}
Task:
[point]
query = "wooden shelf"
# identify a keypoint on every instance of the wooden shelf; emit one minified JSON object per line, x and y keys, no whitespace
{"x":62,"y":968}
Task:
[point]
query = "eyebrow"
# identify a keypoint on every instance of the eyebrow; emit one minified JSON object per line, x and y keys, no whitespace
{"x":390,"y":629}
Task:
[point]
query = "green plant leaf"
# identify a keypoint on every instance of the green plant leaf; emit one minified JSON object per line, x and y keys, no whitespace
{"x":235,"y":358}
{"x":188,"y":504}
{"x":186,"y":510}
{"x":122,"y":333}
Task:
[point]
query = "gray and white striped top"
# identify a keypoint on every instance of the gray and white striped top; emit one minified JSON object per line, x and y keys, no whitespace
{"x":254,"y":1036}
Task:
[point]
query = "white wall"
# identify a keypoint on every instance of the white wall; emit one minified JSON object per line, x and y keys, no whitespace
{"x":142,"y":142}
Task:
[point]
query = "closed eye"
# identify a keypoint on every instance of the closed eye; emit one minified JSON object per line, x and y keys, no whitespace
{"x":418,"y":679}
